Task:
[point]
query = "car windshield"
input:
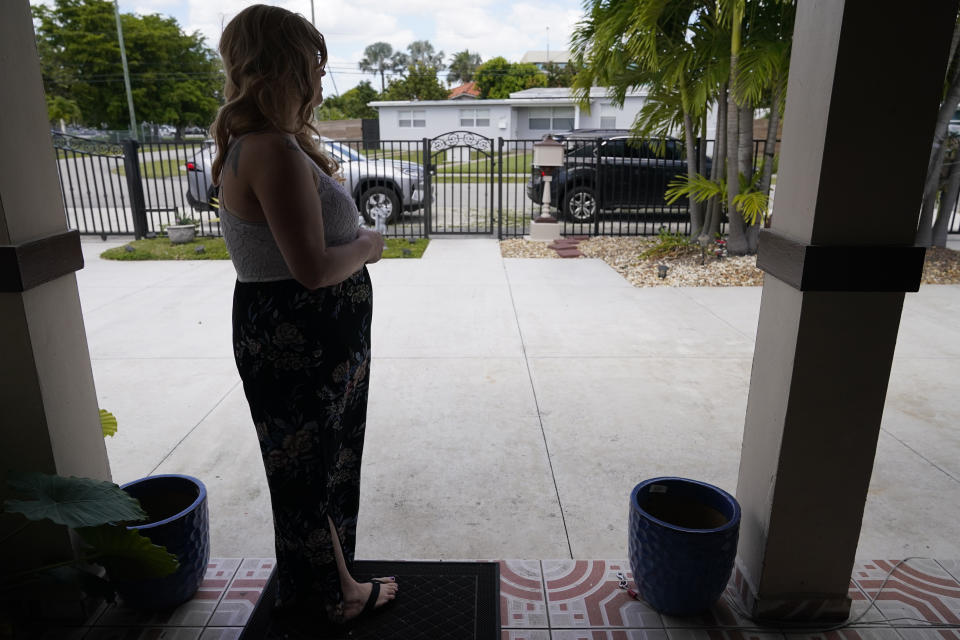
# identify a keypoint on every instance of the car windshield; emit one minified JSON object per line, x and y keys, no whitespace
{"x":580,"y":148}
{"x":344,"y":153}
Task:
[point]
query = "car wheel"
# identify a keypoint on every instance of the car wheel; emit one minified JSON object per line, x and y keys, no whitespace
{"x":382,"y":199}
{"x":580,"y":204}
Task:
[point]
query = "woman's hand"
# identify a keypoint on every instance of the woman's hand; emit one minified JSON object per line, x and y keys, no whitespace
{"x":377,"y":244}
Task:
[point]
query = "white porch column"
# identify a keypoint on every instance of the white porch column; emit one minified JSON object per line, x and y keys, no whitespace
{"x":838,"y":259}
{"x":48,"y":406}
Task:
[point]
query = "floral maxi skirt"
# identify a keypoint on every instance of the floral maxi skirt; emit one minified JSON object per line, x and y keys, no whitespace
{"x":304,"y":358}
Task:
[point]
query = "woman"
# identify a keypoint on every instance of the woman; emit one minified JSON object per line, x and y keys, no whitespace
{"x":301,"y":308}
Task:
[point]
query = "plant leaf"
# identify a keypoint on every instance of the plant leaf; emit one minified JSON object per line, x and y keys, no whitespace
{"x":91,"y":584}
{"x":127,"y":554}
{"x":74,"y":502}
{"x":108,"y":423}
{"x":751,"y":205}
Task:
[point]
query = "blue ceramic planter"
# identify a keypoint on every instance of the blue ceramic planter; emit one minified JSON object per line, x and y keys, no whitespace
{"x":178,"y":520}
{"x":683,"y":542}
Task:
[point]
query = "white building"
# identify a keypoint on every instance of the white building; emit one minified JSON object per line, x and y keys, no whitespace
{"x":525,"y":115}
{"x":542,"y":58}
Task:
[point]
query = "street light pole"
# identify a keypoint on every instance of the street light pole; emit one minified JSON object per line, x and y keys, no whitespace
{"x":126,"y":71}
{"x":313,"y":21}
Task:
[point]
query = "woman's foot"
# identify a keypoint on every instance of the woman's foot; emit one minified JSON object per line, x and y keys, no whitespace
{"x":355,"y":596}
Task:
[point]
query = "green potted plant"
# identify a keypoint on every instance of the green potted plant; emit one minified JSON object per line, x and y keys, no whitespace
{"x":149,"y":537}
{"x":184,"y":231}
{"x":99,"y":513}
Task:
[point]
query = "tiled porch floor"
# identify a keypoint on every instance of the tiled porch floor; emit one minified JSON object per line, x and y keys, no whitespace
{"x":576,"y":600}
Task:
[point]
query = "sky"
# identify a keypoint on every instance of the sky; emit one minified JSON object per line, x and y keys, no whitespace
{"x":488,"y":27}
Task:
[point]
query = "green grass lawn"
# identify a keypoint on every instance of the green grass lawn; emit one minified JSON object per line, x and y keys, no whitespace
{"x":454,"y":178}
{"x":215,"y":249}
{"x":512,"y":163}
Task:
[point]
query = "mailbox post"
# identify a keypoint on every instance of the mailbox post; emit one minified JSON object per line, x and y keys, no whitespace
{"x":547,"y":156}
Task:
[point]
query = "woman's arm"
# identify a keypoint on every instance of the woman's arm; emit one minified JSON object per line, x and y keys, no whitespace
{"x":283,"y":182}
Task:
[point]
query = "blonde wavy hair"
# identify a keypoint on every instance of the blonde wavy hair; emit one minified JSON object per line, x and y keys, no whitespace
{"x":269,"y":54}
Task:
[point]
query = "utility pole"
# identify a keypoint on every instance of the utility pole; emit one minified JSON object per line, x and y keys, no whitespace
{"x":126,"y":71}
{"x":313,"y":21}
{"x":548,"y":45}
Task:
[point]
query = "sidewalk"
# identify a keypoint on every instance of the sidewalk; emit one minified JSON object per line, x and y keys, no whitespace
{"x":514,"y":403}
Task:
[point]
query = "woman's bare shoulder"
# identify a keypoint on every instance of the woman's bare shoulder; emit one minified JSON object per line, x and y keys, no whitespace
{"x":252,"y":151}
{"x":270,"y":142}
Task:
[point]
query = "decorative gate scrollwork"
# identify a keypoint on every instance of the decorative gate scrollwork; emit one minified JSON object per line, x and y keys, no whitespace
{"x":461,"y":139}
{"x":460,"y":167}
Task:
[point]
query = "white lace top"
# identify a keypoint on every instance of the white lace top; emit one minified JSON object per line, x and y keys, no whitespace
{"x":253,"y":250}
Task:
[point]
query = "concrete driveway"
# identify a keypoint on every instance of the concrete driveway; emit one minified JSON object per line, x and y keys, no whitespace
{"x":514,"y":403}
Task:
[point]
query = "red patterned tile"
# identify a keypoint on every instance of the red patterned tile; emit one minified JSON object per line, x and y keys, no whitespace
{"x":525,"y":634}
{"x":220,"y":572}
{"x":714,"y":634}
{"x":221,"y":633}
{"x":144,"y":633}
{"x":50,"y":633}
{"x":243,"y":593}
{"x":521,"y":594}
{"x":929,"y":634}
{"x":586,"y":594}
{"x":918,"y":591}
{"x":952,"y":567}
{"x":609,"y":634}
{"x":860,"y":633}
{"x":193,"y":613}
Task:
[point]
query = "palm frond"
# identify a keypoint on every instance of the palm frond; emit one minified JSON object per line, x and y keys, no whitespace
{"x":752,"y":205}
{"x":699,"y":189}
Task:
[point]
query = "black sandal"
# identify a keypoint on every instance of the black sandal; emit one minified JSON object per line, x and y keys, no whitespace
{"x":371,"y":603}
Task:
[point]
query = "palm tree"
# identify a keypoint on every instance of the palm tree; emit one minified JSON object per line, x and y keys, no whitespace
{"x":463,"y":65}
{"x":422,"y":51}
{"x":625,"y":44}
{"x":376,"y":59}
{"x":932,"y":184}
{"x":399,"y":62}
{"x":761,"y":39}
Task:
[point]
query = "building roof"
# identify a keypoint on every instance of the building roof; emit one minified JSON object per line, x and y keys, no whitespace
{"x":526,"y":98}
{"x":566,"y":92}
{"x":534,"y":57}
{"x":466,"y":90}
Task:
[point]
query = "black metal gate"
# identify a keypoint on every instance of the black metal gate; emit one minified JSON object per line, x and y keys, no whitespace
{"x":127,"y":188}
{"x":460,"y":167}
{"x":95,"y":179}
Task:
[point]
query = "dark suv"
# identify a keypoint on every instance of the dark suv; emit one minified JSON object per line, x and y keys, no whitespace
{"x":632,"y":175}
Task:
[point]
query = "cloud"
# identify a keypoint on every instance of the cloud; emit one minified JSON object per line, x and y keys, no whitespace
{"x":511,"y":34}
{"x":490,"y":27}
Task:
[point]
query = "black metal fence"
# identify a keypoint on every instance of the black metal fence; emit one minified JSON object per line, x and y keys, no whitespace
{"x":128,"y":188}
{"x":459,"y":183}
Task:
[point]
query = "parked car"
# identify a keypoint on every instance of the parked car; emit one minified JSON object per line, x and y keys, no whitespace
{"x":377,"y":185}
{"x":632,"y":175}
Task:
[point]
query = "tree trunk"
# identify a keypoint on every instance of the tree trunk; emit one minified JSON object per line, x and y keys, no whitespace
{"x":745,"y":155}
{"x":711,"y":226}
{"x":381,"y":81}
{"x":931,"y":186}
{"x":702,"y":141}
{"x":770,"y":145}
{"x":736,"y":229}
{"x":948,"y":201}
{"x":696,"y":208}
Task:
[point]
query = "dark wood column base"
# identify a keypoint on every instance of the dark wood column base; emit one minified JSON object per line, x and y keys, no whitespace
{"x":28,"y":265}
{"x":841,"y":268}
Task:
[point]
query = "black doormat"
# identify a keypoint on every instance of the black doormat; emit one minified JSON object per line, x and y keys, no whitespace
{"x":437,"y":601}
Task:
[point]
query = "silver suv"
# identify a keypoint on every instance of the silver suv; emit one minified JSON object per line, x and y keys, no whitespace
{"x":379,"y":186}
